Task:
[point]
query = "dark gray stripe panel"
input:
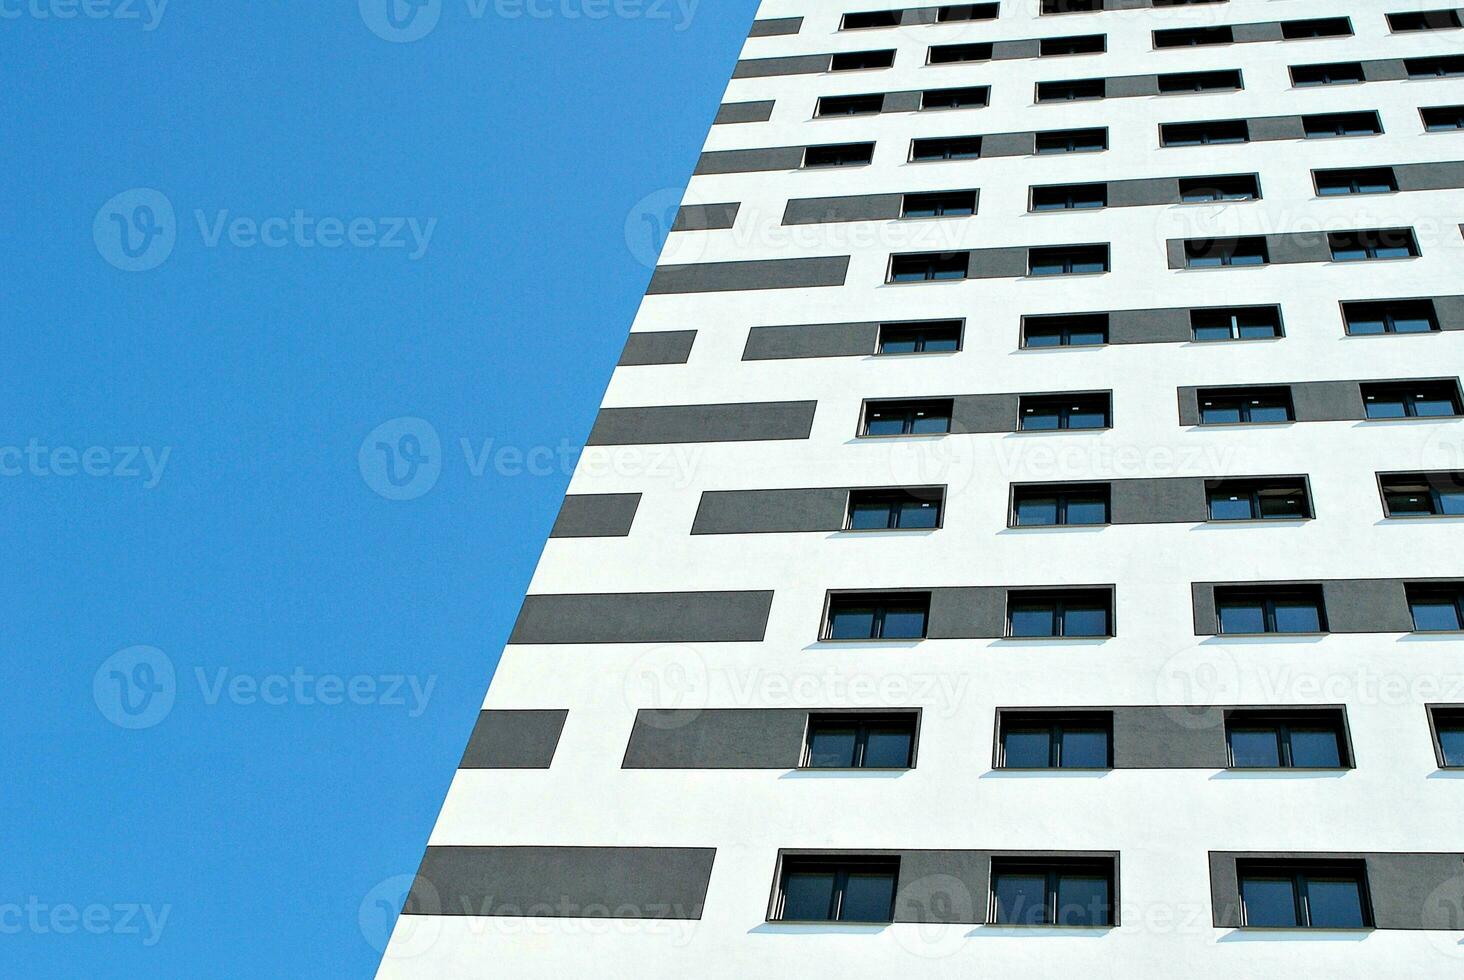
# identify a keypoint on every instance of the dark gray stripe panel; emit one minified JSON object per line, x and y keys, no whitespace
{"x":706,"y":217}
{"x":750,"y":161}
{"x":776,"y":27}
{"x":644,"y":617}
{"x":1013,"y":50}
{"x":1009,"y":144}
{"x":564,"y":882}
{"x":596,"y":515}
{"x":731,"y":113}
{"x":1276,"y":128}
{"x":771,"y":511}
{"x":1450,"y":312}
{"x":902,"y":101}
{"x":1378,"y":605}
{"x":735,"y":422}
{"x":1430,"y":176}
{"x":1141,"y":192}
{"x":979,"y":612}
{"x":717,"y":738}
{"x":811,"y":340}
{"x":1408,"y":891}
{"x":1270,"y":31}
{"x":860,"y":207}
{"x":1168,"y":500}
{"x":514,"y":740}
{"x":803,"y":64}
{"x":1280,"y":249}
{"x":997,"y":263}
{"x":1130,"y":86}
{"x":1311,"y":401}
{"x":657,"y":347}
{"x":717,"y":277}
{"x":1169,"y":326}
{"x":1154,"y":736}
{"x":919,"y":15}
{"x":1384,"y":70}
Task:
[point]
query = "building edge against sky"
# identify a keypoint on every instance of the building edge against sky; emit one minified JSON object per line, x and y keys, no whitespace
{"x":1022,"y":534}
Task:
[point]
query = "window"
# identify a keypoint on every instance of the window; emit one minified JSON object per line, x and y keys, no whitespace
{"x":949,"y":54}
{"x":945,"y":148}
{"x":1051,"y":892}
{"x":1051,"y":47}
{"x":1236,"y":323}
{"x":1258,"y":500}
{"x":1436,"y":609}
{"x":1423,"y":494}
{"x":1066,"y":330}
{"x":938,"y":336}
{"x":877,"y":616}
{"x":1071,"y":141}
{"x":1301,"y":30}
{"x":837,"y":889}
{"x":866,"y":20}
{"x":941,"y":204}
{"x":1390,"y":316}
{"x":1424,"y":20}
{"x":1439,"y":119}
{"x":1448,"y":725}
{"x":850,"y":105}
{"x":1186,"y":37}
{"x":1341,"y":73}
{"x":1381,"y":243}
{"x":1183,"y":3}
{"x":928,"y":416}
{"x":1286,"y":740}
{"x":1208,"y":253}
{"x":1200,"y":81}
{"x":1411,"y":399}
{"x":929,"y":266}
{"x":1071,"y":6}
{"x":1341,"y":124}
{"x":955,"y":98}
{"x":1073,"y":91}
{"x":1303,"y":895}
{"x":1069,"y":197}
{"x":890,"y":510}
{"x":1233,"y":187}
{"x":840,"y":155}
{"x":1276,"y":610}
{"x":1040,"y":413}
{"x":1059,"y":506}
{"x":1047,"y":740}
{"x":1204,"y":133}
{"x":1078,"y":613}
{"x":850,"y":741}
{"x":967,"y":11}
{"x":1234,"y":406}
{"x":1369,"y":180}
{"x":1444,"y":67}
{"x":1064,"y":261}
{"x":861,"y":60}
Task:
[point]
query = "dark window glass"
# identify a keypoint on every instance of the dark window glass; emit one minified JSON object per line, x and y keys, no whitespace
{"x":861,"y":60}
{"x":1438,"y":119}
{"x":1222,"y":406}
{"x":1078,"y":44}
{"x":1074,"y":893}
{"x":877,"y":616}
{"x":1382,"y":243}
{"x":1188,"y":37}
{"x":1299,"y":30}
{"x":850,"y":741}
{"x":1056,"y":614}
{"x":1423,"y":494}
{"x":1390,"y":316}
{"x":841,"y":155}
{"x":1071,"y":91}
{"x":1436,"y":608}
{"x":1341,"y":73}
{"x":1449,"y":729}
{"x":1232,"y":187}
{"x":1276,"y":740}
{"x":1077,"y":260}
{"x":1207,"y":253}
{"x":1081,"y":411}
{"x":947,"y":54}
{"x":1200,"y":81}
{"x":1270,"y":611}
{"x":1183,"y":3}
{"x":947,"y":148}
{"x":1424,"y":20}
{"x":1303,"y":895}
{"x":1059,"y":506}
{"x":1341,"y":124}
{"x":1419,"y":399}
{"x":850,"y":105}
{"x":871,"y":18}
{"x":1071,"y":6}
{"x":1448,"y":66}
{"x":967,"y":11}
{"x":929,"y":266}
{"x":954,"y":98}
{"x":942,"y":204}
{"x":1068,"y":330}
{"x":894,"y":509}
{"x":1072,"y":141}
{"x":1056,"y":741}
{"x":1236,"y":323}
{"x":1258,"y":500}
{"x":1371,"y":180}
{"x":925,"y":417}
{"x":920,"y":338}
{"x":827,"y":889}
{"x":1069,"y":197}
{"x":1204,"y":133}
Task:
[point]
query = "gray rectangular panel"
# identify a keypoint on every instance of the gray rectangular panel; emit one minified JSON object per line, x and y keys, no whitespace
{"x":706,"y":217}
{"x":575,"y":882}
{"x":1450,"y":312}
{"x":1009,"y":145}
{"x":985,"y":413}
{"x":1172,"y":500}
{"x":776,"y":26}
{"x":1169,"y":326}
{"x":771,"y":511}
{"x":811,"y":340}
{"x":803,"y":64}
{"x":974,"y":613}
{"x":596,"y":515}
{"x":714,"y":277}
{"x":919,"y":15}
{"x":1128,"y":86}
{"x":644,"y":617}
{"x":997,"y":263}
{"x":657,"y":347}
{"x":1277,"y":128}
{"x":1384,"y":70}
{"x":861,"y":207}
{"x":902,"y":102}
{"x":1135,"y":193}
{"x":1169,"y":737}
{"x":1430,"y":176}
{"x":731,"y":113}
{"x":514,"y":739}
{"x":1327,"y":401}
{"x":1244,"y":33}
{"x":1010,"y":50}
{"x":717,"y":738}
{"x":736,"y":422}
{"x":1306,"y":246}
{"x":750,"y":161}
{"x":1351,"y":605}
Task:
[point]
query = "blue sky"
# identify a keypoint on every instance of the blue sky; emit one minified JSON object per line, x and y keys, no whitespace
{"x":249,"y":608}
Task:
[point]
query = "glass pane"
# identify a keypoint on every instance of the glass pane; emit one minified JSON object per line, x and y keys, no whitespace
{"x":1087,"y":419}
{"x":1040,"y":418}
{"x":868,"y":898}
{"x":1026,"y":749}
{"x":1451,"y":741}
{"x":1269,"y":902}
{"x":1412,"y":324}
{"x":1433,"y":407}
{"x":1242,"y":617}
{"x":1033,"y":620}
{"x":1247,"y":258}
{"x":927,"y":422}
{"x":1084,"y":749}
{"x":897,"y":345}
{"x":1334,"y":903}
{"x":1092,"y":265}
{"x":885,"y":424}
{"x":869,"y":515}
{"x":904,"y":623}
{"x":1269,"y":413}
{"x":1041,"y":339}
{"x":1085,"y":621}
{"x":851,"y":623}
{"x":1451,"y":501}
{"x":1037,"y":511}
{"x":808,"y":896}
{"x":1082,"y":901}
{"x":1087,"y":510}
{"x":1254,"y":748}
{"x":1046,"y":267}
{"x":1298,"y":616}
{"x":1021,"y":899}
{"x":1406,"y":502}
{"x":1220,"y":414}
{"x":1281,"y":507}
{"x":887,"y":748}
{"x":1389,"y":408}
{"x":1224,"y":507}
{"x":1434,"y":614}
{"x":918,"y":513}
{"x":1366,"y":325}
{"x":1083,"y":338}
{"x":941,"y":343}
{"x":1315,"y":748}
{"x":831,"y":748}
{"x":1252,"y":331}
{"x":1393,"y":251}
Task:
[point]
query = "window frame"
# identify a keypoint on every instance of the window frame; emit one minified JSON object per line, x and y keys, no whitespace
{"x":1255,"y":490}
{"x":1370,"y":241}
{"x":869,"y":98}
{"x":1327,"y":73}
{"x":1281,"y":721}
{"x":1068,"y":323}
{"x":1078,"y":597}
{"x":1371,"y":391}
{"x":1357,"y":178}
{"x":1453,"y":714}
{"x":1242,"y":124}
{"x":1070,"y":139}
{"x":844,"y":21}
{"x":927,"y":95}
{"x":1341,"y":120}
{"x":875,"y":54}
{"x":1281,"y":393}
{"x":1042,"y":44}
{"x":893,"y":498}
{"x":1072,"y":256}
{"x":1071,"y":200}
{"x":1170,"y":83}
{"x":1347,"y":22}
{"x":1438,"y":110}
{"x":978,"y":11}
{"x":921,"y":328}
{"x":881,"y":601}
{"x":909,"y":406}
{"x":1228,"y":249}
{"x":1436,"y":591}
{"x":1055,"y":722}
{"x":1431,"y":482}
{"x":1064,"y":494}
{"x":863,"y":722}
{"x":1385,"y":311}
{"x":1219,"y":183}
{"x":841,"y":866}
{"x":967,"y":46}
{"x":1052,"y":869}
{"x":1269,"y":598}
{"x":1299,"y":873}
{"x":841,"y":162}
{"x":1076,"y":87}
{"x":1087,"y":400}
{"x":1196,"y":37}
{"x":948,"y":156}
{"x":1236,"y":327}
{"x":945,"y":199}
{"x":933,"y":263}
{"x":1434,"y":66}
{"x":1449,"y":15}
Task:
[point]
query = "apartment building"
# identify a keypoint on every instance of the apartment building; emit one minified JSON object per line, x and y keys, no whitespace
{"x":1024,"y":533}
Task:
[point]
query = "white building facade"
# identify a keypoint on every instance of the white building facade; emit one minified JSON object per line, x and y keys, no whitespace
{"x":1025,"y":533}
